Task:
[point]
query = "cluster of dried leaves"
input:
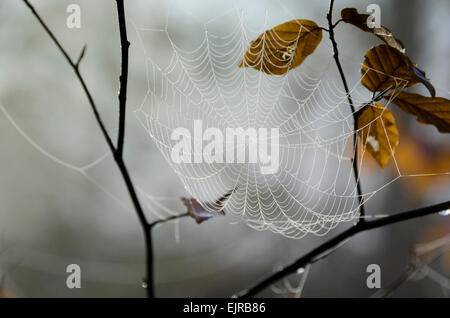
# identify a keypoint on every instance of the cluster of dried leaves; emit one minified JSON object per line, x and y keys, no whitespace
{"x":385,"y":71}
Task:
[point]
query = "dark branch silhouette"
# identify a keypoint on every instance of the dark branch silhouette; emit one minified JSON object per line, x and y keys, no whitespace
{"x":329,"y":246}
{"x":125,"y":44}
{"x":117,"y":152}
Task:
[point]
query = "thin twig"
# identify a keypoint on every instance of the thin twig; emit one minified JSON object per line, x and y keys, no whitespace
{"x":331,"y":27}
{"x":337,"y":22}
{"x":417,"y":264}
{"x":75,"y":68}
{"x":330,"y":245}
{"x":125,"y":44}
{"x":149,"y":281}
{"x":118,"y":155}
{"x":170,"y":218}
{"x":405,"y":276}
{"x":83,"y":51}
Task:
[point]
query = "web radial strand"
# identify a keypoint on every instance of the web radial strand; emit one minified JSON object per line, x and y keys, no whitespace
{"x":313,"y":189}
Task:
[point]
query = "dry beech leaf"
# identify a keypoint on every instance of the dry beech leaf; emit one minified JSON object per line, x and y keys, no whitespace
{"x":428,"y":110}
{"x":385,"y":68}
{"x":283,"y":47}
{"x":377,"y":130}
{"x":199,"y":213}
{"x":351,"y":15}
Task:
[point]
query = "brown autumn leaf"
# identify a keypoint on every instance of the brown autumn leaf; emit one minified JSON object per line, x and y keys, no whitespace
{"x":283,"y":47}
{"x":385,"y":68}
{"x":351,"y":15}
{"x":377,"y":130}
{"x":428,"y":110}
{"x":199,"y":213}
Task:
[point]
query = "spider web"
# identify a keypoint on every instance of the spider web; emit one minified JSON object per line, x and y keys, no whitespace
{"x":314,"y":189}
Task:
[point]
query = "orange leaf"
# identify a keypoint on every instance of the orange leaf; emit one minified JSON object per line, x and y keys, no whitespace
{"x":377,"y":130}
{"x":283,"y":47}
{"x":351,"y":15}
{"x":386,"y":68}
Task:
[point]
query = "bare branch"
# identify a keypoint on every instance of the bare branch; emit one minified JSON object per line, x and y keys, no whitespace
{"x":170,"y":218}
{"x":77,"y":73}
{"x":330,"y":245}
{"x":83,"y":50}
{"x":418,"y":264}
{"x":125,"y":44}
{"x":117,"y":154}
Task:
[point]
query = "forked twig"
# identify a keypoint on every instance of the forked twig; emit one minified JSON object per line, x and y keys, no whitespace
{"x":116,"y":151}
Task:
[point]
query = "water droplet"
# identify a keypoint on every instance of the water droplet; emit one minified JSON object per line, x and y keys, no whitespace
{"x":445,"y":212}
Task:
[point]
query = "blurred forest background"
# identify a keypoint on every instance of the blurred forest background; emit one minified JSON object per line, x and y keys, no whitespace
{"x":52,"y":216}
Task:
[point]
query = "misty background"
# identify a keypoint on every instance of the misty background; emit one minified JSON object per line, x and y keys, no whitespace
{"x":52,"y":216}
